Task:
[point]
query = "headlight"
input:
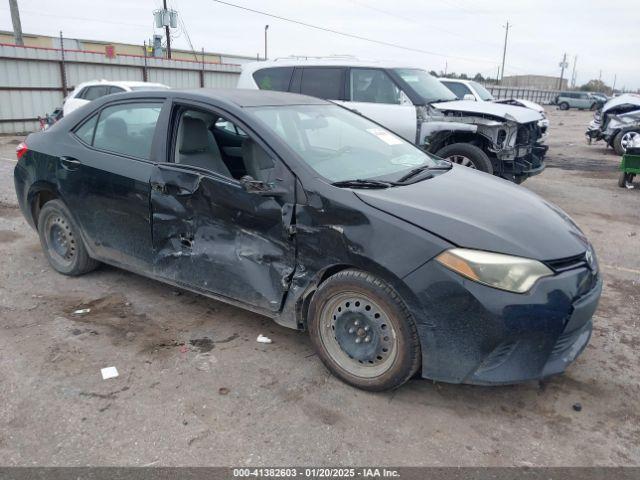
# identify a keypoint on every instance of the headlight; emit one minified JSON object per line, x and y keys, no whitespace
{"x":514,"y":274}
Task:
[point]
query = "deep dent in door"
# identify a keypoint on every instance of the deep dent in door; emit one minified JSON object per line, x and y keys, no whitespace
{"x":231,"y":252}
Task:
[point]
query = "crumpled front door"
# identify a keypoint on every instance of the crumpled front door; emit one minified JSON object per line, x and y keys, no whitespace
{"x":210,"y":234}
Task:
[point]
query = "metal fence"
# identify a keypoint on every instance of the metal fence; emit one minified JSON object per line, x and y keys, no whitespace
{"x":543,"y":97}
{"x":34,"y":81}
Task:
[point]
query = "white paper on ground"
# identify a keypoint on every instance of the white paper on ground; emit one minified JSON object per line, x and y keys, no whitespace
{"x":262,"y":339}
{"x":109,"y":372}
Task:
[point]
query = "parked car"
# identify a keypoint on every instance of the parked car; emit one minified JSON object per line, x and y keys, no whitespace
{"x":579,"y":100}
{"x":601,"y":96}
{"x":493,"y":138}
{"x":471,"y":90}
{"x":88,"y":91}
{"x":395,"y":261}
{"x":617,"y":123}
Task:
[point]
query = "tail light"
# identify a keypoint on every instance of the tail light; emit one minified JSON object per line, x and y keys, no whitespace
{"x":21,"y":149}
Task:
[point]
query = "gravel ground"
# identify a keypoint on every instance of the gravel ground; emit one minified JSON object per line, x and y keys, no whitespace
{"x":196,"y":389}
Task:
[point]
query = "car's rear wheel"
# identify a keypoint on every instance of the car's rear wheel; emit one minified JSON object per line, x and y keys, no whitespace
{"x":363,"y":332}
{"x":624,"y":140}
{"x":61,"y":240}
{"x":564,"y":106}
{"x":467,"y":155}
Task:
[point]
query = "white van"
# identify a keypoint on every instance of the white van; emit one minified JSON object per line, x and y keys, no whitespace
{"x":495,"y":138}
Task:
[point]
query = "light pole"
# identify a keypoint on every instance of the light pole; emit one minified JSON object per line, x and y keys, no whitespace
{"x":266,"y":27}
{"x":504,"y":51}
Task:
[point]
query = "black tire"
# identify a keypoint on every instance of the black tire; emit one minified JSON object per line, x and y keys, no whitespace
{"x":594,"y":106}
{"x":563,"y":106}
{"x":479,"y":159}
{"x":617,"y":141}
{"x":368,"y":294}
{"x":625,"y":178}
{"x":61,"y":241}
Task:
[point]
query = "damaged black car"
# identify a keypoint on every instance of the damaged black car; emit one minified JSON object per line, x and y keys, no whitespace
{"x":395,"y":262}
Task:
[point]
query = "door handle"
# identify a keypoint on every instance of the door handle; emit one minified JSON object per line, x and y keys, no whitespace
{"x":158,"y":187}
{"x":70,"y":163}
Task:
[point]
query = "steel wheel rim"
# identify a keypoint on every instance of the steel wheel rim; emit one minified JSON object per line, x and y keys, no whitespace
{"x":462,"y":160}
{"x":627,"y":140}
{"x":60,"y":239}
{"x":343,"y":332}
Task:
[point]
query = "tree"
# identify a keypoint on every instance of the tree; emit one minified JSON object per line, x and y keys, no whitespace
{"x":478,"y":77}
{"x":596,"y":85}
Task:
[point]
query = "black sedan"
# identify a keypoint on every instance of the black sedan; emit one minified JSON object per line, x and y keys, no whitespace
{"x":295,"y":208}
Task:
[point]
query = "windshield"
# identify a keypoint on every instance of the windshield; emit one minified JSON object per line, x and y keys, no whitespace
{"x":341,"y":145}
{"x":428,"y":87}
{"x":482,"y":92}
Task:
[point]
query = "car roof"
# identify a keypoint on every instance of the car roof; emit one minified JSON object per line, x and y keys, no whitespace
{"x":233,"y":96}
{"x":455,"y":80}
{"x":338,"y":61}
{"x":123,"y":83}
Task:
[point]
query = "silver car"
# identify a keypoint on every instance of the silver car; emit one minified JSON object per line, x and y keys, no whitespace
{"x":580,"y":100}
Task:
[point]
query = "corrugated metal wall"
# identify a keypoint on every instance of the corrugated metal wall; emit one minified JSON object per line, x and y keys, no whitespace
{"x":31,"y":82}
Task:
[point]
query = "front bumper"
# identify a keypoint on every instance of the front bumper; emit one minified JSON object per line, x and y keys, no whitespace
{"x":471,"y":333}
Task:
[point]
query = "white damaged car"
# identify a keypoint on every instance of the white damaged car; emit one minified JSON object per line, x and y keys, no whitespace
{"x":496,"y":138}
{"x":617,"y":123}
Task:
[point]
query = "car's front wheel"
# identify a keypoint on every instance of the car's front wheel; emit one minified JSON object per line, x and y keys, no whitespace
{"x":564,"y":106}
{"x":363,"y":332}
{"x":467,"y":155}
{"x":624,"y":140}
{"x":61,"y":240}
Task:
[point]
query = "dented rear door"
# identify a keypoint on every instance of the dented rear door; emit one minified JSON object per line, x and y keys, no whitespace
{"x":210,"y":234}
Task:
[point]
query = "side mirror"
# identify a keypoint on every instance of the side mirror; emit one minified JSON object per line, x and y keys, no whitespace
{"x":469,"y":96}
{"x":258,"y":187}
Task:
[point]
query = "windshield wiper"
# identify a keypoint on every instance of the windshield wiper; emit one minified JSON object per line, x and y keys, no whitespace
{"x":362,"y":183}
{"x":414,"y":172}
{"x":442,"y":100}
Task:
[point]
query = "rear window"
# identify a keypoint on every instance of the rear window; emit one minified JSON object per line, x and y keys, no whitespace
{"x":96,"y":91}
{"x":276,"y":78}
{"x":322,"y":82}
{"x":125,"y":129}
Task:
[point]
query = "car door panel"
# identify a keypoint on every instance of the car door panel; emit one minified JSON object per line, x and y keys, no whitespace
{"x":109,"y":194}
{"x":210,"y":234}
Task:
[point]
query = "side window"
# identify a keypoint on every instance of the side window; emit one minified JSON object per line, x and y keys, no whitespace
{"x":458,"y":89}
{"x":85,"y":131}
{"x":276,"y":78}
{"x":113,"y":89}
{"x":127,"y":128}
{"x":374,"y":86}
{"x":206,"y":140}
{"x":96,"y":91}
{"x":322,"y":82}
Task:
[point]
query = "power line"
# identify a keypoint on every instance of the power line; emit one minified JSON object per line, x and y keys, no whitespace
{"x":350,"y":35}
{"x":408,"y":19}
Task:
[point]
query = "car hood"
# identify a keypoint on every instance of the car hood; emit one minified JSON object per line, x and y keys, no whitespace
{"x":627,"y":98}
{"x":475,"y":210}
{"x":522,"y":103}
{"x":508,"y":112}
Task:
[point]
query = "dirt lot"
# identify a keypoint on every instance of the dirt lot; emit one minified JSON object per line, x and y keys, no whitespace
{"x":196,"y":389}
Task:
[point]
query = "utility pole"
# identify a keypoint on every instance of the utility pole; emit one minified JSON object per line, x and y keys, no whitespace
{"x":446,"y":67}
{"x":266,"y":27}
{"x":504,"y":51}
{"x":563,"y":65}
{"x":600,"y":75}
{"x":15,"y":19}
{"x":613,"y":89}
{"x":573,"y":73}
{"x":167,"y":32}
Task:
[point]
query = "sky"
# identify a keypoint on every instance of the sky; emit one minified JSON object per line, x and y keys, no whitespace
{"x":463,"y":36}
